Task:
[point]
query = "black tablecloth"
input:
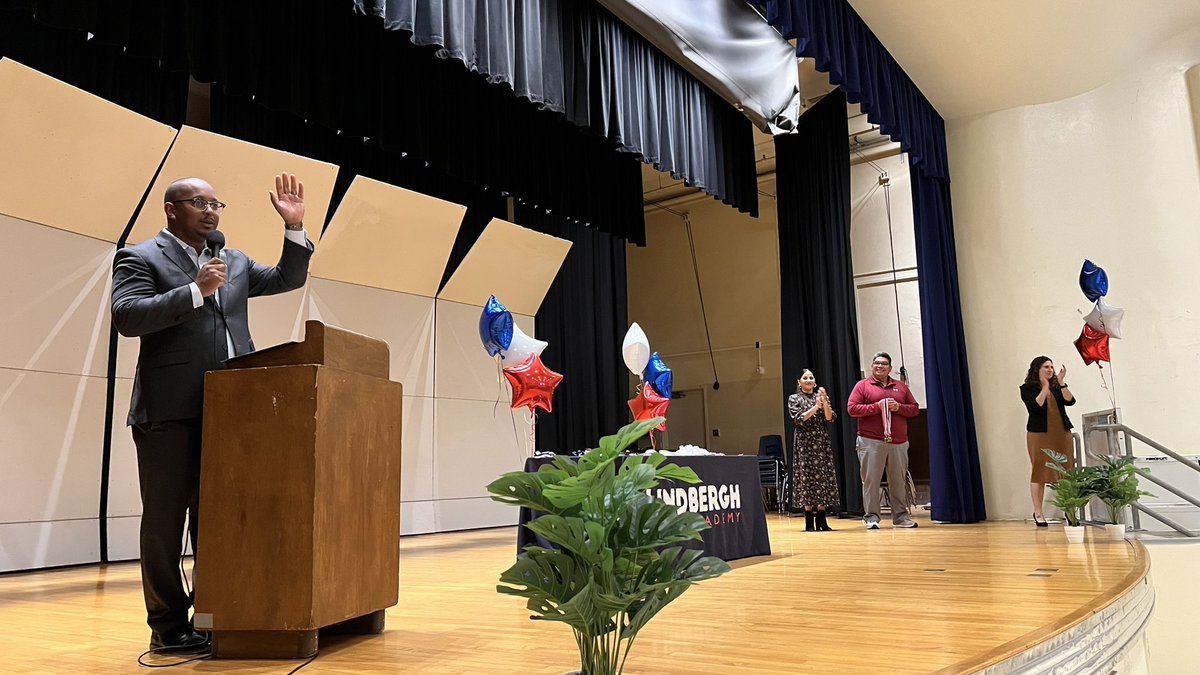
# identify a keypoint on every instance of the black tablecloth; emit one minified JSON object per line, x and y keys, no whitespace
{"x":728,"y":496}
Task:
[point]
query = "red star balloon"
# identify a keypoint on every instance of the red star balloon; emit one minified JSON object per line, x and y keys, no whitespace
{"x":648,"y":404}
{"x":532,"y":383}
{"x":1092,"y":345}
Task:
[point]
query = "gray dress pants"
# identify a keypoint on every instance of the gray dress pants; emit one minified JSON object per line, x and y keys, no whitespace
{"x":874,"y":457}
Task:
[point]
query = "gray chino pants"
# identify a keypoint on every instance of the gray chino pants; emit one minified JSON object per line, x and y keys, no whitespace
{"x":873,"y":457}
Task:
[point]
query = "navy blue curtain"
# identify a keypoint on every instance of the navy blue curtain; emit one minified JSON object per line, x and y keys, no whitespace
{"x":818,"y":319}
{"x":841,"y":44}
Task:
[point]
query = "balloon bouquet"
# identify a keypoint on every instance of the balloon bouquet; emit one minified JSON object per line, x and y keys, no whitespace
{"x":532,"y":382}
{"x":1102,"y":323}
{"x":654,"y":392}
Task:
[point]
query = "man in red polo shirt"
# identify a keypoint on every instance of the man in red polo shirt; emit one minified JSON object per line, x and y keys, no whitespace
{"x":882,"y":406}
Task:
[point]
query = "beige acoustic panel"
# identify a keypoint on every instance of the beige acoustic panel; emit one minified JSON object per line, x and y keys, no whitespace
{"x":388,"y":237}
{"x":472,"y":514}
{"x":277,"y":319}
{"x":31,"y":546}
{"x":416,"y":470}
{"x":241,"y":174}
{"x":417,"y":518}
{"x":56,"y":303}
{"x":124,"y":493}
{"x":402,"y":320}
{"x":69,"y":159}
{"x":476,"y":442}
{"x":462,"y":366}
{"x":124,"y":538}
{"x":51,"y":446}
{"x":127,"y":356}
{"x":515,"y":264}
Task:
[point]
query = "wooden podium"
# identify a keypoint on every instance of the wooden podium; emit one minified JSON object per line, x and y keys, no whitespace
{"x":299,"y":495}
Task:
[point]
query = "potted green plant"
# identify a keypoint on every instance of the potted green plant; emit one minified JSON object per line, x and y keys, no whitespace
{"x":1119,"y":488}
{"x":1072,"y":491}
{"x":616,"y":560}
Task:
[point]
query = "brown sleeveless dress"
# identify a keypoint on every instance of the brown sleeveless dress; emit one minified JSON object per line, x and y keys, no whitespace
{"x":1056,"y":438}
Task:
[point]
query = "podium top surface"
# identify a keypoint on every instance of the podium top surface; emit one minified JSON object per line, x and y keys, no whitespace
{"x":323,"y":345}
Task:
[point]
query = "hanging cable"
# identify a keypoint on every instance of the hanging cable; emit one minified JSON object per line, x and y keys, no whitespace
{"x":885,"y":183}
{"x":887,"y":204}
{"x":687,"y":223}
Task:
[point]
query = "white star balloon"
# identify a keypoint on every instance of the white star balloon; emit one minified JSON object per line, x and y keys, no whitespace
{"x":1105,"y":318}
{"x":521,"y":348}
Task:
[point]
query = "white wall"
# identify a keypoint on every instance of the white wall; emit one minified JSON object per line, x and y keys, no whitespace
{"x":739,"y":273}
{"x":1109,"y":175}
{"x":738,"y":258}
{"x":882,"y":304}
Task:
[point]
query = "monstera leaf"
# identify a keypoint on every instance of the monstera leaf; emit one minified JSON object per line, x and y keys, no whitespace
{"x":613,"y":565}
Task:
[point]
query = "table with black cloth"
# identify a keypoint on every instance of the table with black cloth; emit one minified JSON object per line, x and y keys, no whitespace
{"x":728,"y":496}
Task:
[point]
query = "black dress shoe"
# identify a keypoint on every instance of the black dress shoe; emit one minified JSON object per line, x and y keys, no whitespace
{"x":1039,"y":523}
{"x":179,"y":642}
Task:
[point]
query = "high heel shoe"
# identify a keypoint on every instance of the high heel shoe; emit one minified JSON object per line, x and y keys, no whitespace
{"x":1040,"y":523}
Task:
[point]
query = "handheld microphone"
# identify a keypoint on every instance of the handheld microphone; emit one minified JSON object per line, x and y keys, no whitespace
{"x":215,"y":242}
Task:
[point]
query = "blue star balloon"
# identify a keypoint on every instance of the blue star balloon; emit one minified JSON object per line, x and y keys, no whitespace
{"x":658,"y":375}
{"x":1093,"y":281}
{"x":495,"y":327}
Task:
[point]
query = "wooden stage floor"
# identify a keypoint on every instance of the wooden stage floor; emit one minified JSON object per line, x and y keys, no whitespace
{"x":939,"y":598}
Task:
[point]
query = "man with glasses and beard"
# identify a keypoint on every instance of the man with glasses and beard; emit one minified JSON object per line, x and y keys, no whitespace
{"x":189,"y":310}
{"x":882,"y":407}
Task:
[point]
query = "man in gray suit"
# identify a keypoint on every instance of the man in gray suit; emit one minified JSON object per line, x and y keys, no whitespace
{"x":189,"y":309}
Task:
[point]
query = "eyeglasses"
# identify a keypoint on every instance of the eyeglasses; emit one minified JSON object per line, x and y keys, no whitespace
{"x":880,"y":363}
{"x":200,"y":203}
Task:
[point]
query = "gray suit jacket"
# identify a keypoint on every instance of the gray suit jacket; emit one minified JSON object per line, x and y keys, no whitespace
{"x":151,"y":299}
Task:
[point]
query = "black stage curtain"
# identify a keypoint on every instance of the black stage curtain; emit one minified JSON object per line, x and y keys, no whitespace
{"x":622,"y":87}
{"x":239,"y":117}
{"x":341,"y":71}
{"x":819,"y":326}
{"x":584,"y":318}
{"x":584,"y":314}
{"x":841,"y":44}
{"x":576,"y":58}
{"x":103,"y":70}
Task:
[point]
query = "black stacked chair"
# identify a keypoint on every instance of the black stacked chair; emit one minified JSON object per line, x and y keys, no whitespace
{"x":772,"y":470}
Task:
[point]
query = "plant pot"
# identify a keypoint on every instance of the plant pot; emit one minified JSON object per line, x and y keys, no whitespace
{"x":1074,"y":533}
{"x":1115,"y":531}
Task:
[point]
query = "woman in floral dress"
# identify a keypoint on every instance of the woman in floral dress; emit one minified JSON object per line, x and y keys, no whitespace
{"x":814,"y":483}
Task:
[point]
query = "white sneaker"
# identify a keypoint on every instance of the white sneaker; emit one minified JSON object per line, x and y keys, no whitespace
{"x":872,"y":524}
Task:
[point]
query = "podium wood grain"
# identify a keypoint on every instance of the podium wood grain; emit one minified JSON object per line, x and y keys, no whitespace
{"x":299,"y":495}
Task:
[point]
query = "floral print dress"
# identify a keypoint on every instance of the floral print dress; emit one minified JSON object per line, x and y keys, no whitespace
{"x":814,"y":479}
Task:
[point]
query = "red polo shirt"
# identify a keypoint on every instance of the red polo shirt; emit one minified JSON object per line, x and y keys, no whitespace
{"x":864,"y":405}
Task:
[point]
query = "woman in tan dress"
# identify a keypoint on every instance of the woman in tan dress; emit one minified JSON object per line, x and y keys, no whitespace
{"x":1046,"y":398}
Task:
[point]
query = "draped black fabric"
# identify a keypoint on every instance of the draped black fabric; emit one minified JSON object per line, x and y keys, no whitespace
{"x":575,"y":58}
{"x":819,"y":322}
{"x":239,"y":117}
{"x":584,"y":314}
{"x":512,"y":42}
{"x":835,"y":36}
{"x":584,"y":318}
{"x":103,"y":70}
{"x":341,"y":71}
{"x":622,"y":87}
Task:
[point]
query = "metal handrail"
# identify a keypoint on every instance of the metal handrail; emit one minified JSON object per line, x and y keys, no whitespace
{"x":1157,"y":446}
{"x":1109,"y":430}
